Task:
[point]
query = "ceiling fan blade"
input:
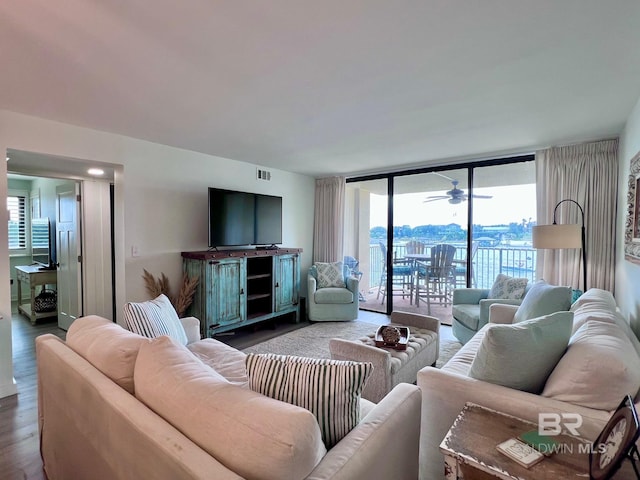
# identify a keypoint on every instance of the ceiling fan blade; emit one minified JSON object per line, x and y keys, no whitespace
{"x":482,"y":196}
{"x":435,"y":198}
{"x":443,"y":176}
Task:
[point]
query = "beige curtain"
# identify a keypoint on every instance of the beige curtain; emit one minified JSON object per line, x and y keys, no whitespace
{"x":328,"y":224}
{"x":588,"y":174}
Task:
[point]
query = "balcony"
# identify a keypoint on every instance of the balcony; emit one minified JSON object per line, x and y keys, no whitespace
{"x":488,"y":262}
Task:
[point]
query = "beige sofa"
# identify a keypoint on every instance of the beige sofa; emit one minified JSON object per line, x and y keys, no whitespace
{"x":93,"y":424}
{"x":600,"y":365}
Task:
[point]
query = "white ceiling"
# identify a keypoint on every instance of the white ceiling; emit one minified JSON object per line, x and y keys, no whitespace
{"x":328,"y":87}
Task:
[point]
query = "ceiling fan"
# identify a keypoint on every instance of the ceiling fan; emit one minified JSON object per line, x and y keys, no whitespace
{"x":455,"y":195}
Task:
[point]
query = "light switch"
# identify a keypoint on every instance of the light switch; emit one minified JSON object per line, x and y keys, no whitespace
{"x":135,"y":251}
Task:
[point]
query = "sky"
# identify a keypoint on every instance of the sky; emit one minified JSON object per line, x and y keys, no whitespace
{"x":509,"y":204}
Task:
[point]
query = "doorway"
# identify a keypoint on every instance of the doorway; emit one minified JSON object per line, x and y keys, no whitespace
{"x":80,"y":210}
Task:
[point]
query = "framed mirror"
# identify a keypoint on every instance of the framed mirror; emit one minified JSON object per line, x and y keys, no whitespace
{"x":632,"y":223}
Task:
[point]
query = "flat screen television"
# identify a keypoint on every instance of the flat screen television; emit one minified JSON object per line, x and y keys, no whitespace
{"x":43,"y":250}
{"x":243,"y":218}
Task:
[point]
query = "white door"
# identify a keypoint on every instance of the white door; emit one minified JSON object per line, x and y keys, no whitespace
{"x":97,"y":276}
{"x":68,"y":254}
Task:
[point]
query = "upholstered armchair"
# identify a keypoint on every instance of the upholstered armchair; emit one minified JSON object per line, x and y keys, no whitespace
{"x":331,"y":300}
{"x":471,"y":310}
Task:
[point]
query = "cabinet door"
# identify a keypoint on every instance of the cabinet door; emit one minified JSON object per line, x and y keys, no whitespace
{"x":287,"y":276}
{"x":198,"y":309}
{"x":227,"y":279}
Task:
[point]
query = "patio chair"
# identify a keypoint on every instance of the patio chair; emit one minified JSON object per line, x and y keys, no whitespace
{"x":401,"y":276}
{"x":460,"y":271}
{"x":415,"y":246}
{"x":435,"y":278}
{"x":352,"y":264}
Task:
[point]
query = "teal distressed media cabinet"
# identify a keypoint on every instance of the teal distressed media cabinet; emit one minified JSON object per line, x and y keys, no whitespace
{"x":242,"y":287}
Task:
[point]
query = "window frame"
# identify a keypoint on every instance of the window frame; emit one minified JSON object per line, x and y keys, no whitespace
{"x":26,"y":249}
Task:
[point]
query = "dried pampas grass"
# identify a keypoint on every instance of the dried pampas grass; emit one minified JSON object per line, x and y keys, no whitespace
{"x":182,"y":301}
{"x":185,"y":296}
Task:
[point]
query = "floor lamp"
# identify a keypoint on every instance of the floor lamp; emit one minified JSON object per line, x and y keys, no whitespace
{"x":563,"y":236}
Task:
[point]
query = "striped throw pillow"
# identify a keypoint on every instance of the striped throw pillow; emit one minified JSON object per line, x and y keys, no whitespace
{"x":330,"y":389}
{"x":154,"y":318}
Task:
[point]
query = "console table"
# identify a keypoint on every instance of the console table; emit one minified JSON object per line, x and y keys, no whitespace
{"x":31,"y":276}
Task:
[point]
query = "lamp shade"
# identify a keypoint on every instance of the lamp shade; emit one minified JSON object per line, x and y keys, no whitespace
{"x":557,"y":236}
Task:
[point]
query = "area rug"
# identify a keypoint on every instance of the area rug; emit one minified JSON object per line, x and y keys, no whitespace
{"x":313,"y":341}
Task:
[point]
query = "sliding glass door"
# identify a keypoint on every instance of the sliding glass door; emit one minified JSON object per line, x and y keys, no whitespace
{"x":430,"y":218}
{"x":416,"y":236}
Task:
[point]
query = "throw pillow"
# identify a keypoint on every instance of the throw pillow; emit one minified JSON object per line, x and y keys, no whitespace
{"x":250,"y":433}
{"x":154,"y":318}
{"x":507,"y":287}
{"x":600,"y":367}
{"x":330,"y":274}
{"x":543,"y":299}
{"x":522,"y":355}
{"x":330,"y":389}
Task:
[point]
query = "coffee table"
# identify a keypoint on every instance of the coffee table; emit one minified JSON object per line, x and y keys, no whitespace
{"x":391,"y":366}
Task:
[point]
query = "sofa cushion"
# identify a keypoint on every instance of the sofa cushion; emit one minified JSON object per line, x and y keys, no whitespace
{"x":461,"y":362}
{"x":597,"y":297}
{"x":330,"y":389}
{"x":107,"y":346}
{"x":592,"y":312}
{"x":330,"y":274}
{"x":543,"y":299}
{"x":332,"y":295}
{"x":154,"y":318}
{"x":595,"y":304}
{"x":599,"y":368}
{"x":467,"y":314}
{"x":251,"y":434}
{"x":507,"y":287}
{"x":225,"y":360}
{"x":599,"y":305}
{"x":522,"y":355}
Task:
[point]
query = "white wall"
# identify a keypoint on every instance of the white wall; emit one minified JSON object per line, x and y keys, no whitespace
{"x":47,"y":189}
{"x":627,"y":273}
{"x":161,"y":204}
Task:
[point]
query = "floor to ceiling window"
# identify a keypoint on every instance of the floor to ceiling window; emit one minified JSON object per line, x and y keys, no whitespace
{"x":409,"y":232}
{"x":502,"y":222}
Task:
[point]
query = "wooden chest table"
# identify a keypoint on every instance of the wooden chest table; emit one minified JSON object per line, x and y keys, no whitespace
{"x":471,"y":454}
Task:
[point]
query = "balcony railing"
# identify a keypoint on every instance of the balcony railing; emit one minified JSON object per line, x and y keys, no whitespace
{"x":487,"y":263}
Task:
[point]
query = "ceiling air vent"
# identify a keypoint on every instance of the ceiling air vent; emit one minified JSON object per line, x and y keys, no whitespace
{"x":263,"y":174}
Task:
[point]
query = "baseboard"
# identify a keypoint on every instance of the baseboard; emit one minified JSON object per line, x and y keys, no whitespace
{"x":8,"y":389}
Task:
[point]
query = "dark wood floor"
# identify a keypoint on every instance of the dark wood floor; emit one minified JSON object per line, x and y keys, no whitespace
{"x":19,"y":443}
{"x":19,"y":440}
